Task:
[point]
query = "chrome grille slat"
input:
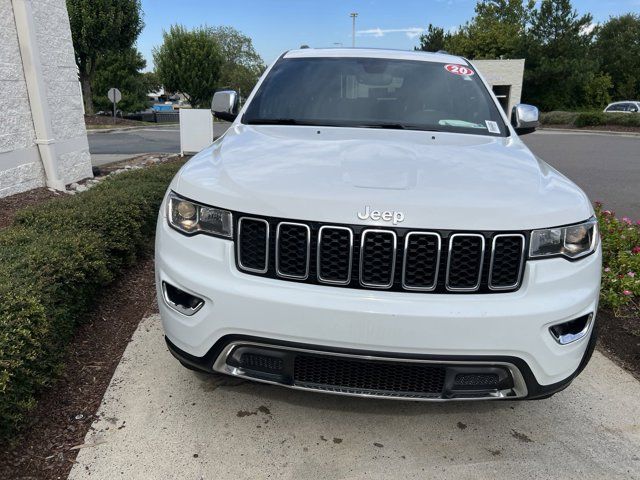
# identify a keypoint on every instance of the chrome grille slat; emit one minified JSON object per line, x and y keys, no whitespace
{"x":366,"y":262}
{"x":520,"y":264}
{"x":394,"y":258}
{"x":325,"y":230}
{"x":248,"y":268}
{"x":407,"y":284}
{"x":280,"y":271}
{"x":453,"y":282}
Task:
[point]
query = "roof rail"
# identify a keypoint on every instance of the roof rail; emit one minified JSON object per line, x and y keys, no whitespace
{"x":443,"y":52}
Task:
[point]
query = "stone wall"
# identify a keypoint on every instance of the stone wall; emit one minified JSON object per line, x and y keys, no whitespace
{"x":21,"y":164}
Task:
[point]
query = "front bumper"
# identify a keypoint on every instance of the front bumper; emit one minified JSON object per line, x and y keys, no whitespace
{"x":510,"y":328}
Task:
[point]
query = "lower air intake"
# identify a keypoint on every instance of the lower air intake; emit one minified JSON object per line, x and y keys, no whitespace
{"x":369,"y":377}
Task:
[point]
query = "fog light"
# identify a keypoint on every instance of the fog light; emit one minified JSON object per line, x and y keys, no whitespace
{"x":181,"y":301}
{"x":571,"y":331}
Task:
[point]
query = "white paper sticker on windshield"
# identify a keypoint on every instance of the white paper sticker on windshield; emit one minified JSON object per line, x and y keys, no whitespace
{"x":492,"y":126}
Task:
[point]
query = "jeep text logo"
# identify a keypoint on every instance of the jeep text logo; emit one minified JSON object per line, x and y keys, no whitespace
{"x":395,"y":217}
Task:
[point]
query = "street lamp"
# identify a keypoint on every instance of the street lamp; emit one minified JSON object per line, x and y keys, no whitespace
{"x":353,"y":16}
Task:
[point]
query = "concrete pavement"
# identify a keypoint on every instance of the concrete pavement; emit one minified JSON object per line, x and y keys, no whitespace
{"x":159,"y":420}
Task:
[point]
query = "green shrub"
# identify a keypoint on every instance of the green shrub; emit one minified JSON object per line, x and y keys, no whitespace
{"x":623,"y":119}
{"x":590,"y":119}
{"x":558,"y":118}
{"x":54,"y":261}
{"x":620,"y":259}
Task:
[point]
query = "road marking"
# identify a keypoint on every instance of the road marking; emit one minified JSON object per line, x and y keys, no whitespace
{"x":138,"y":130}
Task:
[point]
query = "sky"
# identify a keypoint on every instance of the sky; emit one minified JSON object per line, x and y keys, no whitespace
{"x":279,"y":25}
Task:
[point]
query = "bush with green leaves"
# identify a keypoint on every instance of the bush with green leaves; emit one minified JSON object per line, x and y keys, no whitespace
{"x":590,"y":119}
{"x":558,"y":118}
{"x":620,"y":260}
{"x":54,"y":262}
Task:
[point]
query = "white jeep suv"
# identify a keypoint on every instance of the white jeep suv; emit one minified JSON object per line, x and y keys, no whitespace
{"x":370,"y":224}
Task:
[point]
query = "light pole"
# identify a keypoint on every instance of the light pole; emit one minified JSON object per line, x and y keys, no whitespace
{"x":353,"y":29}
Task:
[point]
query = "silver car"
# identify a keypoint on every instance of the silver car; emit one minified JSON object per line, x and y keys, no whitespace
{"x":626,"y":106}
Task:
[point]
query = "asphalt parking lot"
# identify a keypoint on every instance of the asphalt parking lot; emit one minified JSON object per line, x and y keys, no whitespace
{"x":159,"y":420}
{"x":607,"y":167}
{"x":161,"y":139}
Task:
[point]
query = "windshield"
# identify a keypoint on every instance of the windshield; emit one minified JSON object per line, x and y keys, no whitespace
{"x":375,"y":93}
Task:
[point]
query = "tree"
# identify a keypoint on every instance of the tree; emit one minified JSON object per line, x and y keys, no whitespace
{"x":189,"y":62}
{"x":596,"y":92}
{"x":618,"y":48}
{"x":433,"y":40}
{"x":99,"y":27}
{"x":151,"y":82}
{"x":123,"y":71}
{"x":242,"y":65}
{"x":498,"y":30}
{"x":560,"y":66}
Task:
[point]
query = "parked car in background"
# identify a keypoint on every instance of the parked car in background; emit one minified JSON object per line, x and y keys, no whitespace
{"x":627,"y":106}
{"x":162,"y":107}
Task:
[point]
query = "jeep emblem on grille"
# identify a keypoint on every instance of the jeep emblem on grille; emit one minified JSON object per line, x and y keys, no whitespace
{"x":387,"y":216}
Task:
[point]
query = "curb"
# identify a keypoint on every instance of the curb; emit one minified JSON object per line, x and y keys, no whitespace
{"x":127,"y":129}
{"x":595,"y":132}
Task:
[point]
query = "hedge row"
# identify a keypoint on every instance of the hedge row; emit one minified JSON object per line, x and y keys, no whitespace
{"x":54,"y":261}
{"x":590,"y":119}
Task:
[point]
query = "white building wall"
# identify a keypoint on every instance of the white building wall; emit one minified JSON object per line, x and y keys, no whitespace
{"x":21,"y":166}
{"x":504,"y":72}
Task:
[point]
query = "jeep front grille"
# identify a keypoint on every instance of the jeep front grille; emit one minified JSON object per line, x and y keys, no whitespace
{"x":396,"y":259}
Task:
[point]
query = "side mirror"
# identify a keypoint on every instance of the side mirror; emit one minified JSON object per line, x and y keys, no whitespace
{"x":525,"y":118}
{"x":633,"y":109}
{"x":224,"y":105}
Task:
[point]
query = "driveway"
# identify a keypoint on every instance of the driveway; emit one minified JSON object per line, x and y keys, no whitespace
{"x":159,"y":420}
{"x":164,"y":139}
{"x":114,"y":146}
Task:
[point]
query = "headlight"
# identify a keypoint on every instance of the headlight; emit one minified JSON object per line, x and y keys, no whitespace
{"x":573,"y":241}
{"x":190,"y":218}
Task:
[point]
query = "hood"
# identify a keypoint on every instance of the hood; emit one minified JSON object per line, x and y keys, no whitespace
{"x":433,"y":180}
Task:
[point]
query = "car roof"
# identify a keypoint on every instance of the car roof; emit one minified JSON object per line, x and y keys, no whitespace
{"x":375,"y":53}
{"x":623,"y":101}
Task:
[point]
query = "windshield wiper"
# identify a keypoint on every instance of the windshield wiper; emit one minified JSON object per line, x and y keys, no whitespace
{"x":277,"y":121}
{"x":338,"y":123}
{"x":396,"y":126}
{"x":390,"y":126}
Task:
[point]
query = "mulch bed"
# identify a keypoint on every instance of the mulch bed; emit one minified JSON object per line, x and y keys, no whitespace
{"x":620,"y":338}
{"x":66,"y":411}
{"x":105,"y":120}
{"x":10,"y":205}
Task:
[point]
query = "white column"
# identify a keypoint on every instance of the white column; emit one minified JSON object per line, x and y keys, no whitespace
{"x":36,"y":89}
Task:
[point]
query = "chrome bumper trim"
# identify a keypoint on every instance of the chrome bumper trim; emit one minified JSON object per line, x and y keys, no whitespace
{"x":519,"y":389}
